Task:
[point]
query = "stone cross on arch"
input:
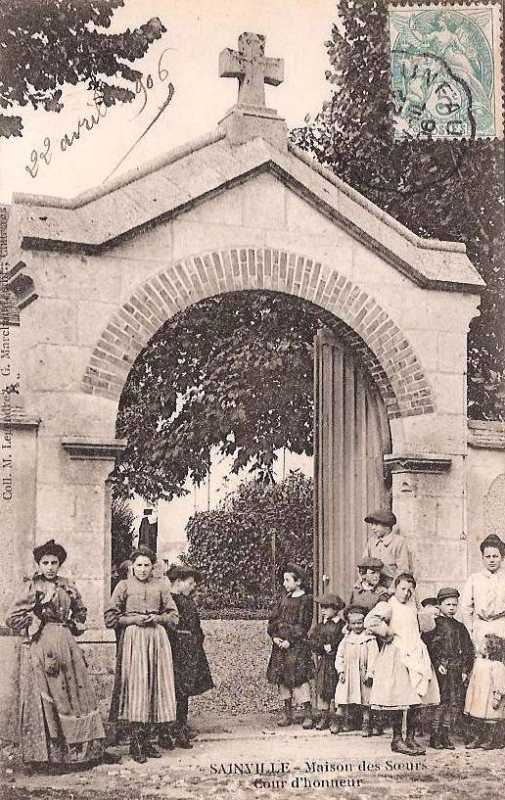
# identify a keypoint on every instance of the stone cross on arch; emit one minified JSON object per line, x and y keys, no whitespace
{"x":252,"y":69}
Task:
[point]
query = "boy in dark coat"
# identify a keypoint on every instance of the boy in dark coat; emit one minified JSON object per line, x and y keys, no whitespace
{"x":191,"y":669}
{"x":324,"y":639}
{"x":452,"y":655}
{"x":291,"y":666}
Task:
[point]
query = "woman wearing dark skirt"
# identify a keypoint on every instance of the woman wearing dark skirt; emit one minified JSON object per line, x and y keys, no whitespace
{"x":291,"y":665}
{"x":60,"y":722}
{"x":142,"y":607}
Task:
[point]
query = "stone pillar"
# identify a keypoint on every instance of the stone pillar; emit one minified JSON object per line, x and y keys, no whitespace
{"x":90,"y":557}
{"x":430,"y":504}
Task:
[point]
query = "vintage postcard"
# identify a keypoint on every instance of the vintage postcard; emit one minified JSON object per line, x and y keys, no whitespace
{"x":252,"y":399}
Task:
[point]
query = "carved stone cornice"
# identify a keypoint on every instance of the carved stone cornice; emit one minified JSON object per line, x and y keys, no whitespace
{"x":411,"y":462}
{"x":83,"y":449}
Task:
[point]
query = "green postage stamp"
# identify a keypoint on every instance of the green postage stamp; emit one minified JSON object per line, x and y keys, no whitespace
{"x":446,"y":70}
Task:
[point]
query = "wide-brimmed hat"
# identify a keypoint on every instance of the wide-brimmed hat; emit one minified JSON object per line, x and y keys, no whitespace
{"x":383,"y":516}
{"x":371,"y":563}
{"x":181,"y":572}
{"x":50,"y":548}
{"x":447,"y":592}
{"x":330,"y":601}
{"x":493,"y":541}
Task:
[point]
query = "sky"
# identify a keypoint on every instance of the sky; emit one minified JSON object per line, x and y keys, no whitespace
{"x":196,"y":33}
{"x":187,"y":56}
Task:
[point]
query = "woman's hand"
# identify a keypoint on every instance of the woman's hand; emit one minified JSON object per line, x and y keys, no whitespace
{"x":327,"y":648}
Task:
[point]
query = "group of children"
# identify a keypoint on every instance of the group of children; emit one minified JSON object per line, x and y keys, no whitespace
{"x":385,"y":652}
{"x":382,"y":652}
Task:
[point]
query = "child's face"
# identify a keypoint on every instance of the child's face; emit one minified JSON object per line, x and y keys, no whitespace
{"x":403,"y":591}
{"x":142,"y":568}
{"x":380,"y":530}
{"x":434,"y":611}
{"x":290,"y":582}
{"x":356,"y":622}
{"x":327,"y":612}
{"x":372,"y":576}
{"x":449,"y":606}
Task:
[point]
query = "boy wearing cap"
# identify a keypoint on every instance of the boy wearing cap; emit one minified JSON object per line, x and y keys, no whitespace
{"x":388,"y":547}
{"x":372,"y":584}
{"x":452,"y":655}
{"x":324,"y":639}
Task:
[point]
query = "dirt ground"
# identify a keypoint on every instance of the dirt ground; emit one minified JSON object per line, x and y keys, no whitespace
{"x":315,"y":764}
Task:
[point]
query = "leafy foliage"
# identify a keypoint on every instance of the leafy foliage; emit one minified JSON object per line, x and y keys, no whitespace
{"x":233,"y":545}
{"x":233,"y":372}
{"x":48,"y":43}
{"x":452,"y":190}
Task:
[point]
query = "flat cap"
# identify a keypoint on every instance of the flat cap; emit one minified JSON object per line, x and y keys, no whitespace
{"x":371,"y":563}
{"x":446,"y":592}
{"x":383,"y":516}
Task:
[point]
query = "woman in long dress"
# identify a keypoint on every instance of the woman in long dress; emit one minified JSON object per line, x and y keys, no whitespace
{"x":404,"y":678}
{"x":141,"y":607}
{"x":483,"y":613}
{"x":60,"y":722}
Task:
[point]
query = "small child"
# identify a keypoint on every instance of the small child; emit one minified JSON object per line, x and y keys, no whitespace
{"x":290,"y":665}
{"x":355,"y":664}
{"x":324,"y":639}
{"x":374,"y":578}
{"x":485,"y":697}
{"x":452,"y":655}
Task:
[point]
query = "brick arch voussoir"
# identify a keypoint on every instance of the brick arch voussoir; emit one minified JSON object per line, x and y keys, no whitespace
{"x":362,"y":323}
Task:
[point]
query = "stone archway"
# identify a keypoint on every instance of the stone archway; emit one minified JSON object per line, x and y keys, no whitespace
{"x":366,"y":326}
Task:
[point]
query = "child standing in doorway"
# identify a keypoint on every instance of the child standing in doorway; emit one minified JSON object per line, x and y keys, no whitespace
{"x":355,"y":663}
{"x":324,"y":639}
{"x":290,"y":665}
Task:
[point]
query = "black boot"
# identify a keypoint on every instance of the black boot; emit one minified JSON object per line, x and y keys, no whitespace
{"x":412,"y":724}
{"x":336,"y":724}
{"x":480,"y":738}
{"x":181,"y":739}
{"x":308,"y":722}
{"x":445,"y":739}
{"x":435,"y":740}
{"x":323,"y":722}
{"x":164,"y":737}
{"x":136,"y":743}
{"x":148,"y":747}
{"x":286,"y":717}
{"x":492,"y":741}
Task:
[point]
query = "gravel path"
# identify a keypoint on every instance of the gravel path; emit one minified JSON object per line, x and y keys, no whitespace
{"x":316,"y":765}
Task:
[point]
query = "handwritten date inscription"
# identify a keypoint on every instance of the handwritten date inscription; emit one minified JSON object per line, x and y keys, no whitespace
{"x":43,"y":156}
